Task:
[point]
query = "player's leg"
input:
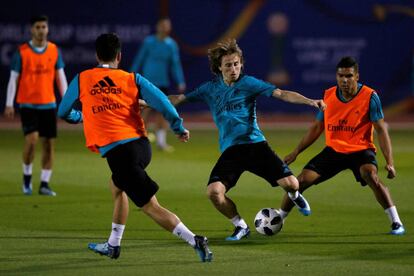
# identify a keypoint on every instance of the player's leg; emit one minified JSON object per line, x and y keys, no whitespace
{"x":161,"y":133}
{"x":170,"y":222}
{"x":264,"y":162}
{"x":223,"y":177}
{"x":48,"y":151}
{"x":29,"y":148}
{"x":216,"y":192}
{"x":30,"y":123}
{"x":291,"y":185}
{"x":369,"y":174}
{"x":112,"y":248}
{"x":306,"y":179}
{"x":48,"y":133}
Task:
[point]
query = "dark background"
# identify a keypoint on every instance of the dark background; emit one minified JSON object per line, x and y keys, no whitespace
{"x":380,"y":34}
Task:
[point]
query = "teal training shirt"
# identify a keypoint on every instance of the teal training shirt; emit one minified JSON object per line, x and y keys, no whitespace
{"x":234,"y":108}
{"x":157,"y":60}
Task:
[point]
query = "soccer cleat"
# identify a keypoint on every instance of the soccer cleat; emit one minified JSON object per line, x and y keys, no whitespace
{"x":27,"y":190}
{"x":239,"y":233}
{"x":302,"y":205}
{"x":201,"y":247}
{"x":46,"y":191}
{"x":397,"y":229}
{"x":106,"y":249}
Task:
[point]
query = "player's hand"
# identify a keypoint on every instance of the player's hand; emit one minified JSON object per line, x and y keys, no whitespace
{"x":290,"y":158}
{"x":181,"y":88}
{"x":319,"y":104}
{"x":143,"y":104}
{"x":184,"y":137}
{"x":176,"y":99}
{"x":9,"y":112}
{"x":391,"y":171}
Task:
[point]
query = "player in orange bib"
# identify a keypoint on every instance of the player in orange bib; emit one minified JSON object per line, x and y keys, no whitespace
{"x":34,"y":68}
{"x":353,"y":112}
{"x":114,"y":128}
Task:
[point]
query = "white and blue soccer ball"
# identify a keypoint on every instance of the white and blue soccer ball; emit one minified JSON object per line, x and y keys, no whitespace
{"x":268,"y":221}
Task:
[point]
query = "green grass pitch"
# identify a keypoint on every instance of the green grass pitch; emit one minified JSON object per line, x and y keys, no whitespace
{"x":345,"y":235}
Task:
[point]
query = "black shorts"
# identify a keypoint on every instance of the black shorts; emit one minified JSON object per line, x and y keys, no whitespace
{"x":128,"y":162}
{"x":41,"y":120}
{"x":329,"y":162}
{"x":257,"y":158}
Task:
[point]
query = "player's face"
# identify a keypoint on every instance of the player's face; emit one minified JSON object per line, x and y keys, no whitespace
{"x":347,"y":80}
{"x":39,"y":31}
{"x":164,"y":27}
{"x":230,"y":68}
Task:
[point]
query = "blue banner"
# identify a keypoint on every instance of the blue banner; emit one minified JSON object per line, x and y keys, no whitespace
{"x":294,"y":44}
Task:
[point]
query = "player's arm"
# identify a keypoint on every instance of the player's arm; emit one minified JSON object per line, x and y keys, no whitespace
{"x":61,"y":81}
{"x":177,"y":69}
{"x":295,"y":97}
{"x":66,"y":110}
{"x":310,"y":137}
{"x":11,"y":93}
{"x":376,"y":116}
{"x":157,"y":100}
{"x":385,"y":145}
{"x":139,"y":58}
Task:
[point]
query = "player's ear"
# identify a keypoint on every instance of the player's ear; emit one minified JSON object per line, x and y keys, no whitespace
{"x":96,"y":57}
{"x":118,"y":57}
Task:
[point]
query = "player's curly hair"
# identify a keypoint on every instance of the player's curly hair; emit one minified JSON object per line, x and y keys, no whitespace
{"x":223,"y":48}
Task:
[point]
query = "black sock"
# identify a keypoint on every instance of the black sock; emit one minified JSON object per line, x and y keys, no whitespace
{"x":27,"y":179}
{"x":44,"y":184}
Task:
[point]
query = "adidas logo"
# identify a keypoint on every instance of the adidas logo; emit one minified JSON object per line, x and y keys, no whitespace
{"x":105,"y":86}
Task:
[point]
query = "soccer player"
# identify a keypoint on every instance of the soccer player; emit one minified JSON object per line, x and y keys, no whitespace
{"x":114,"y":128}
{"x":34,"y":68}
{"x":231,"y":97}
{"x":157,"y":60}
{"x":353,"y":112}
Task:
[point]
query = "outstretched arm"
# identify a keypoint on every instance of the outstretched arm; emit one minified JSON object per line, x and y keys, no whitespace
{"x":154,"y":98}
{"x":310,"y":137}
{"x":385,"y":145}
{"x":295,"y":97}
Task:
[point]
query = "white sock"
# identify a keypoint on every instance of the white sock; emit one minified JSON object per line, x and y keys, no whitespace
{"x":238,"y":221}
{"x":283,"y":213}
{"x":116,"y":234}
{"x":294,"y":195}
{"x":161,"y":136}
{"x":393,"y":214}
{"x":45,"y":175}
{"x":27,"y":169}
{"x":184,"y":233}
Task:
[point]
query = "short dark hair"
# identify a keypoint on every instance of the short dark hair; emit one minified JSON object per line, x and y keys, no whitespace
{"x":38,"y":18}
{"x":347,"y":62}
{"x":223,"y":48}
{"x":107,"y":46}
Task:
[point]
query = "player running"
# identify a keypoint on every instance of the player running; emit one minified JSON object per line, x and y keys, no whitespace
{"x":114,"y":128}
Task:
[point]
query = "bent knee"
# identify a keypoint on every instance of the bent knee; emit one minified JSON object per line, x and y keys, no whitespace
{"x":216,"y":191}
{"x":370,"y":177}
{"x":289,"y":183}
